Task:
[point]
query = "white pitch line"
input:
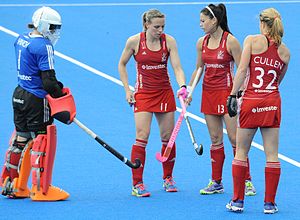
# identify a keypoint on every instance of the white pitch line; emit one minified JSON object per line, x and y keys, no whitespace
{"x":149,"y":3}
{"x":117,"y":81}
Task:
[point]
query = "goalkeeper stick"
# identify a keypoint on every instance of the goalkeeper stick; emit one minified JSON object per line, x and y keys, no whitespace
{"x":135,"y":165}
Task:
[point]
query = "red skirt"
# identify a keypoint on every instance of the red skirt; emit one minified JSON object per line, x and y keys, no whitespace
{"x":259,"y":112}
{"x":155,"y":101}
{"x":214,"y":101}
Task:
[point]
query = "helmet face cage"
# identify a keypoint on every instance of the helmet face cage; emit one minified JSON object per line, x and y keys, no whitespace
{"x":48,"y":23}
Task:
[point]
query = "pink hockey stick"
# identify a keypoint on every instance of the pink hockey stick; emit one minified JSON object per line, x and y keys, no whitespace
{"x":166,"y":154}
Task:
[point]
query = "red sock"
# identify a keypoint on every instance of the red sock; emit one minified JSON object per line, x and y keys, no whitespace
{"x":248,"y":176}
{"x":239,"y":168}
{"x":169,"y":164}
{"x":272,"y":175}
{"x":217,"y":156}
{"x":138,"y":151}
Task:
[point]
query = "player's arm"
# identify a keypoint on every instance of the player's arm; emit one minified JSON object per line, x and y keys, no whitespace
{"x":243,"y":66}
{"x":285,"y":56}
{"x":199,"y":62}
{"x":51,"y":84}
{"x":234,"y":49}
{"x":175,"y":61}
{"x":128,"y":51}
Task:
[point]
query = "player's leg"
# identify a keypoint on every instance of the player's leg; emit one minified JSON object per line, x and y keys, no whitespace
{"x":143,"y":124}
{"x":217,"y":155}
{"x":166,"y":126}
{"x":43,"y":150}
{"x":42,"y":161}
{"x":239,"y":168}
{"x":16,"y":169}
{"x":272,"y":168}
{"x":231,"y":125}
{"x":17,"y":162}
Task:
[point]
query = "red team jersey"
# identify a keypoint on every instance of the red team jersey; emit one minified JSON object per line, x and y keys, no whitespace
{"x":260,"y":106}
{"x":217,"y":82}
{"x":153,"y":91}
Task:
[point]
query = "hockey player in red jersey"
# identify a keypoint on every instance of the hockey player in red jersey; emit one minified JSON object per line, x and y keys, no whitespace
{"x":217,"y":52}
{"x":263,"y":65}
{"x":153,"y":93}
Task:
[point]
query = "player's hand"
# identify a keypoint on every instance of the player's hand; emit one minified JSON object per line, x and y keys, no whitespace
{"x":239,"y":94}
{"x":232,"y":105}
{"x":182,"y":92}
{"x":130,"y":98}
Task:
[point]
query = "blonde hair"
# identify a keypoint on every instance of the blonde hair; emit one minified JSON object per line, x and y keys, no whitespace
{"x":272,"y":19}
{"x":149,"y":15}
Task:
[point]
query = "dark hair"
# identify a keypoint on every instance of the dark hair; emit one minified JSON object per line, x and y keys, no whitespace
{"x":219,"y":12}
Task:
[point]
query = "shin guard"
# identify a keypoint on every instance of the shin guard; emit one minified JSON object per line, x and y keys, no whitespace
{"x":42,"y":159}
{"x":12,"y":157}
{"x":16,"y":169}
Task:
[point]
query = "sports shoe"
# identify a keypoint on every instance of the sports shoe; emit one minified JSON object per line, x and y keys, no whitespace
{"x":270,"y":208}
{"x":235,"y":206}
{"x":249,"y":188}
{"x":169,"y":185}
{"x":139,"y":190}
{"x":213,"y":187}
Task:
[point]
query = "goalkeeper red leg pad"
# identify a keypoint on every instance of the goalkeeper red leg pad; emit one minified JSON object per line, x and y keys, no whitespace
{"x":42,"y":161}
{"x":8,"y":164}
{"x":63,"y":108}
{"x":19,"y":185}
{"x":16,"y":169}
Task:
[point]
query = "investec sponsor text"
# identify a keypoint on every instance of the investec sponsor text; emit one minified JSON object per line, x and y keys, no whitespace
{"x":155,"y":67}
{"x":264,"y":109}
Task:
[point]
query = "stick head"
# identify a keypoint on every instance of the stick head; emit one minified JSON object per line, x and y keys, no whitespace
{"x":137,"y":163}
{"x":199,"y":149}
{"x":160,"y":158}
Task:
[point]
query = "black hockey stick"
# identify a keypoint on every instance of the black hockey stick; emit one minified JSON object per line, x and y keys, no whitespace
{"x":135,"y":165}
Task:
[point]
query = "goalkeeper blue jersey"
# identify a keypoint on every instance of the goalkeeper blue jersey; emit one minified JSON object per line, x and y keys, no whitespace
{"x":34,"y":53}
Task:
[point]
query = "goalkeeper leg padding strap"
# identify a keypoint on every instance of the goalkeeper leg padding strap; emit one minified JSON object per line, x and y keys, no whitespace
{"x":42,"y":158}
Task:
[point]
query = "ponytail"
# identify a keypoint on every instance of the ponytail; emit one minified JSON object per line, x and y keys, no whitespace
{"x":272,"y":19}
{"x":218,"y":12}
{"x":223,"y":21}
